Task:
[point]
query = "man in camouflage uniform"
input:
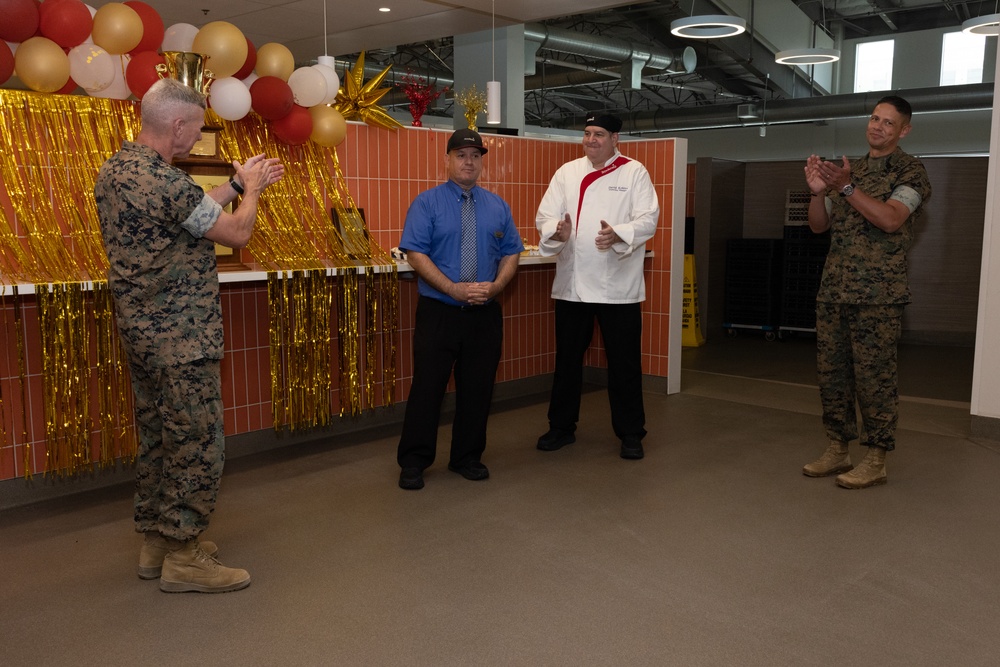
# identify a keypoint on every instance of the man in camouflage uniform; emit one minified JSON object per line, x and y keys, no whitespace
{"x":159,"y":229}
{"x":869,"y":206}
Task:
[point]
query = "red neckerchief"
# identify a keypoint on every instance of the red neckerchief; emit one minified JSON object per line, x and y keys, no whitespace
{"x":593,"y":176}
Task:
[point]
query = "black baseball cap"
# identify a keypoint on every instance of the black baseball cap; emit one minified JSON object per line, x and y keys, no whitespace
{"x":466,"y":138}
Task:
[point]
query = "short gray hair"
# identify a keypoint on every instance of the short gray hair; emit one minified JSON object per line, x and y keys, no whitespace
{"x":166,"y":100}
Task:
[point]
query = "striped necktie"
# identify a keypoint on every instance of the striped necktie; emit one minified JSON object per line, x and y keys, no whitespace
{"x":467,"y":273}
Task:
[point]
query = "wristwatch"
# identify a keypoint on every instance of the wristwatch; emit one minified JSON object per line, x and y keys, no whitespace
{"x":847,"y":190}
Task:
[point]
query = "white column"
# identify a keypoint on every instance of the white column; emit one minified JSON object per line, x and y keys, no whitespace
{"x":986,"y":374}
{"x":475,"y":64}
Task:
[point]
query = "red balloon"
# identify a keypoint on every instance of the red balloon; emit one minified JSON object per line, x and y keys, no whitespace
{"x":249,"y":63}
{"x":20,"y":20}
{"x":66,"y":22}
{"x":295,"y":128}
{"x":152,"y":27}
{"x":271,"y":97}
{"x":6,"y":62}
{"x":70,"y":86}
{"x":141,"y":72}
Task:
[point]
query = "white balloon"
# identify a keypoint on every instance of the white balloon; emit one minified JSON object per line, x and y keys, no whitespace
{"x":179,"y":37}
{"x":332,"y":83}
{"x":308,"y":86}
{"x":249,"y":79}
{"x":118,"y":90}
{"x":230,"y":98}
{"x":91,"y":67}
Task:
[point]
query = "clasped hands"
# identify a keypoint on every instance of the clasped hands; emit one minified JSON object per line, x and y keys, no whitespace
{"x":474,"y":294}
{"x":604,"y":240}
{"x":823,"y":175}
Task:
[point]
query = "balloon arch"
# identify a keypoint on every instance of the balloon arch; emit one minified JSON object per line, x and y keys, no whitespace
{"x":57,"y":46}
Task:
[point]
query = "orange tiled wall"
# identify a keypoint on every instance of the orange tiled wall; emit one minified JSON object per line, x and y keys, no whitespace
{"x":385,"y":170}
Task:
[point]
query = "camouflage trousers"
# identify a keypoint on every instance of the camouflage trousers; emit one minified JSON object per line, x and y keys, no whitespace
{"x":856,"y":349}
{"x":178,"y":414}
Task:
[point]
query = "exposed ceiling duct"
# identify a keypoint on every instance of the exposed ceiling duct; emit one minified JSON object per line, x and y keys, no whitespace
{"x":586,"y":75}
{"x":967,"y":97}
{"x":538,"y":36}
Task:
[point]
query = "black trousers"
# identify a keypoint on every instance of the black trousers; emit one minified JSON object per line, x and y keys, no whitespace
{"x":621,"y":331}
{"x":445,"y":338}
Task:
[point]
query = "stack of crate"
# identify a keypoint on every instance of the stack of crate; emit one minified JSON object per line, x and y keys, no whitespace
{"x":805,"y":254}
{"x":753,"y":284}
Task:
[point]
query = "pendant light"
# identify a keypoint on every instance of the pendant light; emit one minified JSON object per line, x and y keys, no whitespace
{"x":493,"y":86}
{"x":708,"y":26}
{"x":988,"y":25}
{"x":809,"y":56}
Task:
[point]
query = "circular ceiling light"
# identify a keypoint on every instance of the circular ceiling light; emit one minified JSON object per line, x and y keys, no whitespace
{"x":807,"y":56}
{"x":708,"y":26}
{"x":983,"y":25}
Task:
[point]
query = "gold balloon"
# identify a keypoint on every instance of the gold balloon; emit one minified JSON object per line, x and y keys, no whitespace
{"x":117,"y":28}
{"x":274,"y":59}
{"x":224,"y":44}
{"x":41,"y":64}
{"x":329,"y":126}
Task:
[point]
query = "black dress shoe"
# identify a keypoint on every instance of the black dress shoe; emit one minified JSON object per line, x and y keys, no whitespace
{"x":411,"y":479}
{"x":554,"y":439}
{"x":473,"y":470}
{"x":632,"y":448}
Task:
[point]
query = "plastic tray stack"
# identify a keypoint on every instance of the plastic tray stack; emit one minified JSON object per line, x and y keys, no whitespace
{"x":804,"y":256}
{"x":753,"y":284}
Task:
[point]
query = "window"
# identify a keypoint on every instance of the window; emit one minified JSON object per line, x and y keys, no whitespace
{"x":873,"y":66}
{"x":962,"y":58}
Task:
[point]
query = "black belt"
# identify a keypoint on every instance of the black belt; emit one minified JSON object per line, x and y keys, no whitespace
{"x":467,"y":307}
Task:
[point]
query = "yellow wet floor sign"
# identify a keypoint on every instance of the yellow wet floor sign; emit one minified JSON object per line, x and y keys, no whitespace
{"x":691,"y":335}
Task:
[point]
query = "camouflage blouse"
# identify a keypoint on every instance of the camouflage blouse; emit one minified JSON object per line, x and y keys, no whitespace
{"x":866,"y":265}
{"x":163,"y":273}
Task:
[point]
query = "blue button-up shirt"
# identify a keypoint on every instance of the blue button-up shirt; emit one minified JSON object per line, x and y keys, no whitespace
{"x":434,"y":228}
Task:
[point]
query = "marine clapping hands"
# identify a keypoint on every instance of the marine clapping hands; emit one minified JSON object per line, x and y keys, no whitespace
{"x":258,"y":172}
{"x":822,"y":175}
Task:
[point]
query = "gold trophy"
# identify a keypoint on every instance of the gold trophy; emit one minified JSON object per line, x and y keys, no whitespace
{"x":188,"y":68}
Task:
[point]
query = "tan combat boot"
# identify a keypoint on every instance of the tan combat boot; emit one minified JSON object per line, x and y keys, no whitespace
{"x":190,"y":569}
{"x":835,"y":459}
{"x":155,"y":548}
{"x":870,"y":472}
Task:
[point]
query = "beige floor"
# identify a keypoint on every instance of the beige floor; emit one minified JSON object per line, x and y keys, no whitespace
{"x":714,"y":550}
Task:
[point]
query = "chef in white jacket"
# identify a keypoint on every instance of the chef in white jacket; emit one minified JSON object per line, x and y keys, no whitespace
{"x":595,"y":218}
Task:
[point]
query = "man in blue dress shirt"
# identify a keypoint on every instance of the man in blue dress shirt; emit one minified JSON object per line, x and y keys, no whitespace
{"x":462,"y":243}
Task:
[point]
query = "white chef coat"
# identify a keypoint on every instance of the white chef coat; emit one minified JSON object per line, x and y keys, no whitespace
{"x":626,"y":200}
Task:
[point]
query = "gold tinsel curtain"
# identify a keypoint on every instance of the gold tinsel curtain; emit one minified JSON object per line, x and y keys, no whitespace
{"x":53,"y":146}
{"x":50,"y":238}
{"x":308,"y":258}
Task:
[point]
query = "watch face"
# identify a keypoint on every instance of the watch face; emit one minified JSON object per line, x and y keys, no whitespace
{"x":848,"y":190}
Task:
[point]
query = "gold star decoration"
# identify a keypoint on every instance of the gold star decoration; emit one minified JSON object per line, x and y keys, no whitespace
{"x":356,"y":100}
